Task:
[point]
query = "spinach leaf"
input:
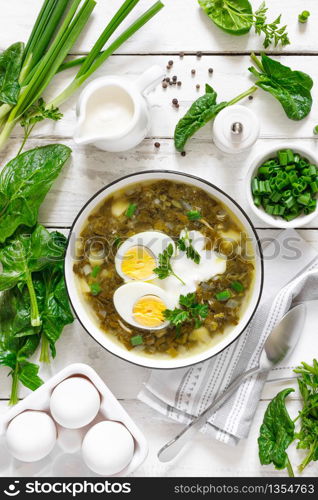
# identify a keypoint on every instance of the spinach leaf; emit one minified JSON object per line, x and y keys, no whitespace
{"x":276,"y":433}
{"x":236,"y":17}
{"x":201,"y":112}
{"x":290,"y":88}
{"x":54,"y":307}
{"x":24,"y":183}
{"x":26,"y":254}
{"x":10,"y":67}
{"x":15,"y":350}
{"x":232,"y":16}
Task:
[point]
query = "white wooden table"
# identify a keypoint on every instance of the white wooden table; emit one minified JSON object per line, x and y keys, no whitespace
{"x":181,"y":26}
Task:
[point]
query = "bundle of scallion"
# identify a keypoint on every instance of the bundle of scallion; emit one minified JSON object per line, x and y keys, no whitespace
{"x":26,"y":71}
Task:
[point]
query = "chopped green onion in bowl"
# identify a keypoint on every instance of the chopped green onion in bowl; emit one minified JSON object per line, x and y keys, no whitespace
{"x":283,"y":187}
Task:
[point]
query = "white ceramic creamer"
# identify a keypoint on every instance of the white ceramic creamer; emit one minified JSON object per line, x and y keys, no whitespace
{"x":113,"y":113}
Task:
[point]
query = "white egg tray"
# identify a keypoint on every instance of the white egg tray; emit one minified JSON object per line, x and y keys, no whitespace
{"x":110,"y":409}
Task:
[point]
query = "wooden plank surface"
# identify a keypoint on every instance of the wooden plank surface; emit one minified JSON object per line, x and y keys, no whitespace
{"x":230,"y":78}
{"x":186,"y":27}
{"x":91,"y":170}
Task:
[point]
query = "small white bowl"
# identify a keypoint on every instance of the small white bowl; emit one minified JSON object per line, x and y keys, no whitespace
{"x":273,"y":220}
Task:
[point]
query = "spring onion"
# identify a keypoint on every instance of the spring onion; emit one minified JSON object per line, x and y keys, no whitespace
{"x":237,"y":286}
{"x":95,"y":271}
{"x":136,"y":340}
{"x":131,"y":210}
{"x":57,"y":28}
{"x":286,"y":186}
{"x":95,"y":288}
{"x":303,"y":16}
{"x":223,"y":296}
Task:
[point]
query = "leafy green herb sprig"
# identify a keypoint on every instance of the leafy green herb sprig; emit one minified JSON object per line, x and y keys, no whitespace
{"x":191,"y":310}
{"x":185,"y":245}
{"x":308,"y":433}
{"x":35,"y":114}
{"x":274,"y":33}
{"x":164,"y":269}
{"x":237,"y":18}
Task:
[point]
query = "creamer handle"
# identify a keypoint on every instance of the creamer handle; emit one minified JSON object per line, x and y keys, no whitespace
{"x":150,"y":78}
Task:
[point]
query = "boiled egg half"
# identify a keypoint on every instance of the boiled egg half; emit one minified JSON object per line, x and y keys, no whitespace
{"x":137,"y":257}
{"x":142,"y":305}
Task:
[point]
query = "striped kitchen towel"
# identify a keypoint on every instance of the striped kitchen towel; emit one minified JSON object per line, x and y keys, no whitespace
{"x":291,"y":275}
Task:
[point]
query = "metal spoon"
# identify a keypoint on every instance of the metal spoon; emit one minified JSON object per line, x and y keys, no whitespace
{"x":279,"y":344}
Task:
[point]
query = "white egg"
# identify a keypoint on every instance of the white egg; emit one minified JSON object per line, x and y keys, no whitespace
{"x":153,"y":243}
{"x":74,"y":403}
{"x":69,"y":440}
{"x":31,"y":436}
{"x":108,"y":448}
{"x":127,"y":298}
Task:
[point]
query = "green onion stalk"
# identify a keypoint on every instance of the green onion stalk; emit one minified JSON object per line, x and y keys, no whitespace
{"x":43,"y":60}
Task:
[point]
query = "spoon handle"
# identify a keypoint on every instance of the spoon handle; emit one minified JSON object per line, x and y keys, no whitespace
{"x":173,"y":447}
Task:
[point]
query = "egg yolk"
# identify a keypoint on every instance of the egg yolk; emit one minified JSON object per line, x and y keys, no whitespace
{"x":138,"y":263}
{"x":148,"y":311}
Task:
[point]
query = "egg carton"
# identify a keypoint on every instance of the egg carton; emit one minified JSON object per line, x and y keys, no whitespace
{"x":110,"y":409}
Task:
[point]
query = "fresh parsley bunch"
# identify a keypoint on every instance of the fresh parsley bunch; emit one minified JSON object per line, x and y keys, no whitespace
{"x":191,"y":310}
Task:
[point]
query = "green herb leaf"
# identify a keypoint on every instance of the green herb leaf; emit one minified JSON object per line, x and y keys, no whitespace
{"x":10,"y":67}
{"x":35,"y":114}
{"x":131,"y":210}
{"x":165,"y":268}
{"x":176,"y":316}
{"x":194,"y":215}
{"x":276,"y":432}
{"x":236,"y":17}
{"x":187,"y":300}
{"x":26,"y":254}
{"x":200,"y":113}
{"x":185,"y":245}
{"x":291,"y":88}
{"x":15,"y":348}
{"x":192,"y":311}
{"x":54,"y":307}
{"x":232,"y":16}
{"x":307,"y":436}
{"x":274,"y":33}
{"x":24,"y":183}
{"x":28,"y":375}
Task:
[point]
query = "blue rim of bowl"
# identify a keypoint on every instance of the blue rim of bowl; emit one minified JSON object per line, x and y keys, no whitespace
{"x":189,"y":176}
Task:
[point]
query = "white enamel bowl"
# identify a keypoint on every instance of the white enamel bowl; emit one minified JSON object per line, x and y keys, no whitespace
{"x":77,"y":300}
{"x":273,"y":220}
